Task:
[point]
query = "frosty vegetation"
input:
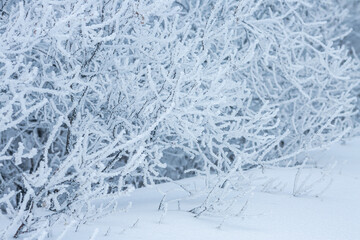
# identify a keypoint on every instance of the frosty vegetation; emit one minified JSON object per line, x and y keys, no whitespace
{"x":99,"y":97}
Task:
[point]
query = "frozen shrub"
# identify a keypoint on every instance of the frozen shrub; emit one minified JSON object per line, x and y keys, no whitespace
{"x":100,"y":96}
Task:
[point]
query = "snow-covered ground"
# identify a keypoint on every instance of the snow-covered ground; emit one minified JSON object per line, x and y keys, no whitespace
{"x":272,"y":212}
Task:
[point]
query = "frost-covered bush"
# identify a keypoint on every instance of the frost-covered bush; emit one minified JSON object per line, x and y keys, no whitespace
{"x":352,"y":20}
{"x":297,"y":64}
{"x":100,"y":96}
{"x":300,"y":67}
